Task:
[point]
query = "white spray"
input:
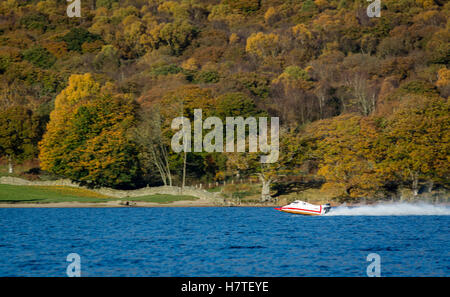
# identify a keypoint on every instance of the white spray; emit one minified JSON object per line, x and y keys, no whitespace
{"x":392,"y":209}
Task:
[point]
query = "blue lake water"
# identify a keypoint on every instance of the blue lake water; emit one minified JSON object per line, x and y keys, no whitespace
{"x":221,"y":242}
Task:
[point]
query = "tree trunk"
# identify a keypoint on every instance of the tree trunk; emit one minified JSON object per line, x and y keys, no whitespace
{"x":321,"y":103}
{"x":10,"y":165}
{"x":160,"y":167}
{"x":415,"y":185}
{"x":184,"y":171}
{"x":166,"y":160}
{"x":430,"y":186}
{"x":265,"y":190}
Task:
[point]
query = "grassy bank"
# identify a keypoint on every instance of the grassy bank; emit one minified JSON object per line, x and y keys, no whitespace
{"x":54,"y":194}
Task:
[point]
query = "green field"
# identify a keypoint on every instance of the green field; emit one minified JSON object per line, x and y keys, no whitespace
{"x":52,"y":194}
{"x":161,"y":198}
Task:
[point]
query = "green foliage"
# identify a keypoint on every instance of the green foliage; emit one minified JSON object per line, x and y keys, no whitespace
{"x":295,"y":72}
{"x":244,"y":6}
{"x":165,"y":69}
{"x":18,"y":133}
{"x":47,"y":194}
{"x":108,"y":58}
{"x":4,"y":63}
{"x":52,"y":194}
{"x":105,"y":3}
{"x":34,"y":21}
{"x":97,"y":134}
{"x":176,"y":36}
{"x":50,"y":83}
{"x":257,"y":84}
{"x":206,"y":77}
{"x":418,"y":88}
{"x":39,"y":56}
{"x":418,"y":141}
{"x":308,"y":6}
{"x":77,"y":36}
{"x":234,"y":105}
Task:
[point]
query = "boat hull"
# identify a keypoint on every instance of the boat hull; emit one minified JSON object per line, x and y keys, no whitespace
{"x":300,"y":211}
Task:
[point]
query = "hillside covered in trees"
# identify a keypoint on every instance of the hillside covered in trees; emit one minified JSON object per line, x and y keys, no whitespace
{"x":362,"y":102}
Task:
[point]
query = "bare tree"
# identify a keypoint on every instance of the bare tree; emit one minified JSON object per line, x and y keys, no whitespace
{"x":322,"y":92}
{"x":149,"y":136}
{"x":363,"y":93}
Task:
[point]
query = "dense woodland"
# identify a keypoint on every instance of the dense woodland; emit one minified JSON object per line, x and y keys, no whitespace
{"x":362,"y":102}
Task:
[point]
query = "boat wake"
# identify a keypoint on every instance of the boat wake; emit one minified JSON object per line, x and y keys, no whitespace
{"x":392,"y":209}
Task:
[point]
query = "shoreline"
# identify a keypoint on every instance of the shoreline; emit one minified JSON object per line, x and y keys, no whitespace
{"x":181,"y":203}
{"x":125,"y":198}
{"x":109,"y":204}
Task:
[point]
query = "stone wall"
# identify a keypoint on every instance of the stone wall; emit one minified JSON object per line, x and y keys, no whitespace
{"x":189,"y":191}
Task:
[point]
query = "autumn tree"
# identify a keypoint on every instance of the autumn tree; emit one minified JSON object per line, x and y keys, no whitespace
{"x":87,"y":139}
{"x":263,"y":45}
{"x":181,"y":102}
{"x":177,"y":36}
{"x":293,"y":97}
{"x":153,"y":144}
{"x":416,"y":139}
{"x":288,"y":154}
{"x":342,"y":148}
{"x":19,"y":132}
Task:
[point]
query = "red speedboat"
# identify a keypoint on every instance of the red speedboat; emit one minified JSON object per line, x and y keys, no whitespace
{"x":304,"y":208}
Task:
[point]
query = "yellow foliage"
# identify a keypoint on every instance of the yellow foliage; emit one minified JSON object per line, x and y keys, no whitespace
{"x":220,"y":175}
{"x":426,"y":3}
{"x":190,"y":64}
{"x":321,"y":3}
{"x":47,"y":7}
{"x":426,"y":16}
{"x":234,"y":38}
{"x":86,"y":138}
{"x":92,"y":47}
{"x":301,"y":33}
{"x":326,"y":22}
{"x":223,"y":12}
{"x":271,"y":15}
{"x":443,"y":78}
{"x":80,"y":86}
{"x":176,"y":9}
{"x":347,"y":162}
{"x":263,"y":45}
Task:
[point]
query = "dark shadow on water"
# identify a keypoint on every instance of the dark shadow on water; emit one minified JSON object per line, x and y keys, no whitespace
{"x":20,"y":201}
{"x":245,"y":247}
